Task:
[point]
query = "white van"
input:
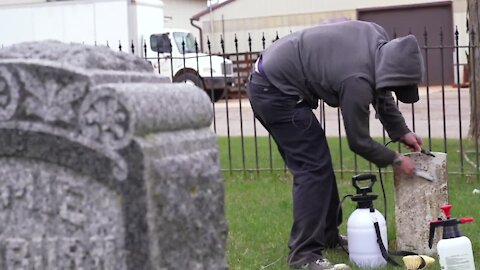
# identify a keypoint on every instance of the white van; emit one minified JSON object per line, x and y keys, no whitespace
{"x":177,"y":56}
{"x":138,"y":24}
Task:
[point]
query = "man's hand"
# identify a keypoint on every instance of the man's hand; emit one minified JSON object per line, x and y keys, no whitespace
{"x":403,"y":164}
{"x":412,"y":142}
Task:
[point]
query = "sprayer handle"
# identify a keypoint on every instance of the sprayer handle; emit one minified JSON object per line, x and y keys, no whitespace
{"x":434,"y":224}
{"x":362,"y":177}
{"x":446,"y":209}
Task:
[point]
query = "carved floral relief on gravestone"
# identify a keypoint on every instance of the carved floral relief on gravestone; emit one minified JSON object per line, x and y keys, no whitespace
{"x":98,"y":118}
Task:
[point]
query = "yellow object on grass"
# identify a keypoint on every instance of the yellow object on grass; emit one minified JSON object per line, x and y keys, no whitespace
{"x":418,"y":262}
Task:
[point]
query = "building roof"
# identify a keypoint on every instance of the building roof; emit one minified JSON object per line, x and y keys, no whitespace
{"x":206,"y":11}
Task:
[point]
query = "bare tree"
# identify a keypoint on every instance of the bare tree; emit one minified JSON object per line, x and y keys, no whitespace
{"x":473,"y":26}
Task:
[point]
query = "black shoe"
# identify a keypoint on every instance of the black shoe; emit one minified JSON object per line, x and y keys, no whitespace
{"x":317,"y":264}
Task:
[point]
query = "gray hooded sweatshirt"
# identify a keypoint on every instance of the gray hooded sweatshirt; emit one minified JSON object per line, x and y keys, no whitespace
{"x":345,"y":64}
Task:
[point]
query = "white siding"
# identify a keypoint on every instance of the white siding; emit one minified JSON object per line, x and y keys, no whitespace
{"x":11,"y":2}
{"x":86,"y":22}
{"x":265,"y":8}
{"x":178,"y":13}
{"x":267,"y":17}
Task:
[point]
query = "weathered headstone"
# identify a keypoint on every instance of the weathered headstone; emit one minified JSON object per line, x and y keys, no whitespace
{"x":104,"y":165}
{"x":418,"y":201}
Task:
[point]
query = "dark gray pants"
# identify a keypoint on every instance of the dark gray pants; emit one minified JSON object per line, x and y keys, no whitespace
{"x":303,"y":146}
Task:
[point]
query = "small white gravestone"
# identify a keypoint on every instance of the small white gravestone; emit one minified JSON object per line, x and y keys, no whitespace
{"x":418,"y":201}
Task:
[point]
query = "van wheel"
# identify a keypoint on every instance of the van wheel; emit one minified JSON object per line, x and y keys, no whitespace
{"x":190,"y":78}
{"x":215,"y":94}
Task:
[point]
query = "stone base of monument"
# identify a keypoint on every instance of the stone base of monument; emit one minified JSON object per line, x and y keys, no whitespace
{"x":418,"y":201}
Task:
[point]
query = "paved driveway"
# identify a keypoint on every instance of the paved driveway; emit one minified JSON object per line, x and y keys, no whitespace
{"x":234,"y":117}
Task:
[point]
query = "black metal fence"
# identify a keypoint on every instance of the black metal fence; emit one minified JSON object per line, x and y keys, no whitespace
{"x":442,"y":117}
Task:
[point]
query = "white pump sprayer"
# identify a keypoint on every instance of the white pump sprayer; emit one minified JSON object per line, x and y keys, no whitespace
{"x":364,"y":227}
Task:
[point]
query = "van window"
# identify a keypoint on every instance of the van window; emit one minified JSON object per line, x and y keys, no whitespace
{"x":189,"y":40}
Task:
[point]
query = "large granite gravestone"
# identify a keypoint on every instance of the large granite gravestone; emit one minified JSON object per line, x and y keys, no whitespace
{"x":418,"y":201}
{"x":104,"y":165}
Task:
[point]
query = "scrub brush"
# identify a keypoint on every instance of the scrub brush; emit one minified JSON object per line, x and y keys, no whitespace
{"x":416,"y":262}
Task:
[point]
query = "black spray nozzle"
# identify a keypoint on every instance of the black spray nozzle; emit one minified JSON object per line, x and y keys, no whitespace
{"x":450,"y":225}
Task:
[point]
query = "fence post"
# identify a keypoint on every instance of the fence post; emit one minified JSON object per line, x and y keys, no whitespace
{"x":443,"y":92}
{"x":209,"y":46}
{"x":250,"y":67}
{"x":457,"y":56}
{"x":222,"y":44}
{"x":183,"y":58}
{"x":242,"y":141}
{"x":269,"y":136}
{"x":428,"y":91}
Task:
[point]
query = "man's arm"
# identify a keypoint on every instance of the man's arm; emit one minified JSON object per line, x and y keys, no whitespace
{"x":355,"y":98}
{"x":391,"y":118}
{"x":393,"y":121}
{"x":356,"y":94}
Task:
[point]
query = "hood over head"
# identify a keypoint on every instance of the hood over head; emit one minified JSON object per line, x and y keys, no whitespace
{"x":399,"y":68}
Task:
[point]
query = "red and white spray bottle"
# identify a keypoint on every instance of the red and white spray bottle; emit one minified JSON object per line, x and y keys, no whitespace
{"x":454,"y":249}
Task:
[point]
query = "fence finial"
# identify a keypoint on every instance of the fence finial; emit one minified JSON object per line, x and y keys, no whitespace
{"x":209,"y":45}
{"x":236,"y":42}
{"x":263,"y":40}
{"x":222,"y":43}
{"x":145,"y":48}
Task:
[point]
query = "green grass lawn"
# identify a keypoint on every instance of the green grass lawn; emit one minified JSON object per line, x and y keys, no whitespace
{"x":259,"y":206}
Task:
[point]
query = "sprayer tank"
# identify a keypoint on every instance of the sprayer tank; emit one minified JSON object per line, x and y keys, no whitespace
{"x":362,"y":238}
